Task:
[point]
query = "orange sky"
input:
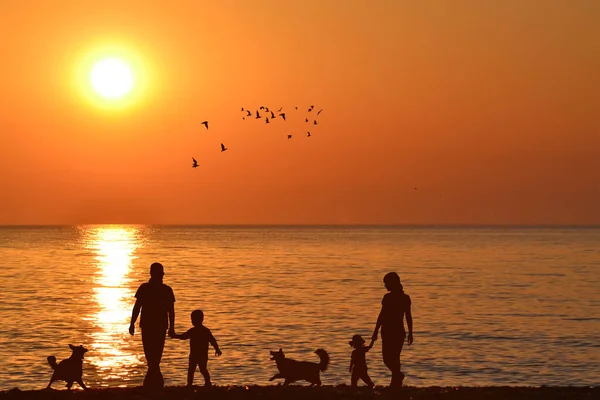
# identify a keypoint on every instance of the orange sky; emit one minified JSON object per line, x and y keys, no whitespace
{"x":490,"y":109}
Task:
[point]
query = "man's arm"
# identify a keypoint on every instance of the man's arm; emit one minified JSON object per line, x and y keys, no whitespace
{"x":182,"y":336}
{"x":172,"y":319}
{"x":134,"y":315}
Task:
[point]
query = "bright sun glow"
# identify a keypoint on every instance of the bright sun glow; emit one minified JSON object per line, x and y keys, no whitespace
{"x":111,"y":78}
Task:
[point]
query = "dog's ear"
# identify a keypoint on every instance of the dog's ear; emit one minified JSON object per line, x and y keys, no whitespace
{"x":71,"y":346}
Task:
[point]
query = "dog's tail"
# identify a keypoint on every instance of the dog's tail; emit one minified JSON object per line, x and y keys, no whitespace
{"x":324,"y":359}
{"x":52,"y":362}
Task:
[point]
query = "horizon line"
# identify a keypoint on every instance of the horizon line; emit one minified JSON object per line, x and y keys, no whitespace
{"x":341,"y":225}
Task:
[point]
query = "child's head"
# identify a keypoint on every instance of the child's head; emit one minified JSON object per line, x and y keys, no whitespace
{"x":357,"y":341}
{"x":197,"y":317}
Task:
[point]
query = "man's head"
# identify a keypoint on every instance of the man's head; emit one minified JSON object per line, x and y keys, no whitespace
{"x":157,"y":271}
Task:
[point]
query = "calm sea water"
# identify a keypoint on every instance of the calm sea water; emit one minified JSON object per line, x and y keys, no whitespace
{"x":491,"y":306}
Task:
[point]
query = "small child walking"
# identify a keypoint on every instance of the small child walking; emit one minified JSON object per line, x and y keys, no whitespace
{"x":358,"y":361}
{"x":200,"y":336}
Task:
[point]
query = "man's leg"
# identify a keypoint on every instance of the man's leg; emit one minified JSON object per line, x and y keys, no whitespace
{"x":154,"y":344}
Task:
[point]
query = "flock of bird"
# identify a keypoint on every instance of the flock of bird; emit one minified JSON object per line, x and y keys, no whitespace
{"x":268,"y":115}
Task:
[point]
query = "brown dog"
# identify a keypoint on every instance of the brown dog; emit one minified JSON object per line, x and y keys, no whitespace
{"x":69,"y":370}
{"x":292,"y":370}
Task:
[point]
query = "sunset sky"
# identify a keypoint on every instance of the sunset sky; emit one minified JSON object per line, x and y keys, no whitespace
{"x":491,"y":109}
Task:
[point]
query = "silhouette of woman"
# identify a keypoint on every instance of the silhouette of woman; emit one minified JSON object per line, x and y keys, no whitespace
{"x":394,"y":306}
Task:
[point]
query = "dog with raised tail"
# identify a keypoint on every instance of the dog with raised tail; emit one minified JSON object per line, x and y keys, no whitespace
{"x":69,"y":370}
{"x":292,"y":370}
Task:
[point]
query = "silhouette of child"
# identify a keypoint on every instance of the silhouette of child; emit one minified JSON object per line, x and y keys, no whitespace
{"x":358,"y":361}
{"x":200,"y":336}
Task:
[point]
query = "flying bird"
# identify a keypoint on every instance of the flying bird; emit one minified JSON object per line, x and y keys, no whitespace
{"x":289,"y":136}
{"x":272,"y":115}
{"x":223,"y":148}
{"x":315,"y":122}
{"x":280,"y":108}
{"x":310,"y":108}
{"x":257,"y":115}
{"x":205,"y":123}
{"x":296,"y":107}
{"x":195,"y":163}
{"x":261,"y":108}
{"x":282,"y":115}
{"x":307,"y":134}
{"x":266,"y":120}
{"x":266,"y":109}
{"x":249,"y":113}
{"x":242,"y":108}
{"x":306,"y":120}
{"x":319,"y":112}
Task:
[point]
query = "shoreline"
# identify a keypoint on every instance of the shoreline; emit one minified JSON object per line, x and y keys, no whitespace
{"x":317,"y":393}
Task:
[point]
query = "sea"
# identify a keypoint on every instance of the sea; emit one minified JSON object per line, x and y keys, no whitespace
{"x":492,"y":306}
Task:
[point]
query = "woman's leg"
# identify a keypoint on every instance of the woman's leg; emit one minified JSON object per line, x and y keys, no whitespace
{"x":391,"y":349}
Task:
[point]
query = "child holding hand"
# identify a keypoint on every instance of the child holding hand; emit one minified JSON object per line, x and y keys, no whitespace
{"x":200,"y":336}
{"x":358,"y":361}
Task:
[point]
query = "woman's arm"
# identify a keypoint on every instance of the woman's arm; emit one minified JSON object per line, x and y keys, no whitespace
{"x":409,"y":322}
{"x":377,"y":326}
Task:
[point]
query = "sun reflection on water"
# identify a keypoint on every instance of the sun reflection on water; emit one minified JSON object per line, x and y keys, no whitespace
{"x":114,"y":248}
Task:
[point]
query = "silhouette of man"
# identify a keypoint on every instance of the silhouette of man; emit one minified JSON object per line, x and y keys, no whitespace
{"x":157,"y":303}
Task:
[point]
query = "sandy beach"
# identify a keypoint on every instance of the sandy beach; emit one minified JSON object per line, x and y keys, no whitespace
{"x":324,"y":392}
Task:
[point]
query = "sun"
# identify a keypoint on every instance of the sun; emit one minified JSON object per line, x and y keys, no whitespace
{"x":112,"y":78}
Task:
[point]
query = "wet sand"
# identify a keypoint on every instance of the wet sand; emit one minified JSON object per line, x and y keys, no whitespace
{"x":299,"y":392}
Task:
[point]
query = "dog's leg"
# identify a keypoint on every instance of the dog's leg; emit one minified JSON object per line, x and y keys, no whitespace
{"x":69,"y":384}
{"x":52,"y":379}
{"x":80,"y":381}
{"x":287,"y":382}
{"x":276,"y":376}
